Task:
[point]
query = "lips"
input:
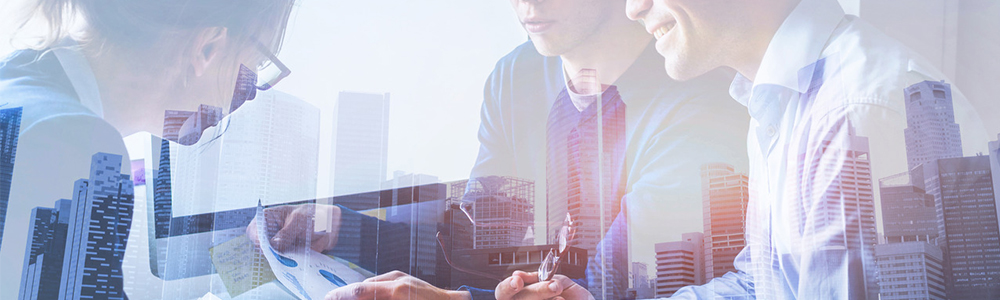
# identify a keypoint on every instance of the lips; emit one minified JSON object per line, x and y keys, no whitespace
{"x":537,"y":25}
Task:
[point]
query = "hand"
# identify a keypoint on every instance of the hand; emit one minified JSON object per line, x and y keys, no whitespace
{"x":525,"y":286}
{"x":295,"y":221}
{"x":395,"y":285}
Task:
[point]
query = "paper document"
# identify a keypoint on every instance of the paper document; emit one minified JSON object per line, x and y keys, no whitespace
{"x":306,"y":273}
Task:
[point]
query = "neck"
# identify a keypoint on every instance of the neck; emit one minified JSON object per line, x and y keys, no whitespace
{"x":609,"y":52}
{"x":748,"y":54}
{"x":133,"y":98}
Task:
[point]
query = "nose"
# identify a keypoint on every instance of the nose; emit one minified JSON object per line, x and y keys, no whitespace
{"x":636,"y":9}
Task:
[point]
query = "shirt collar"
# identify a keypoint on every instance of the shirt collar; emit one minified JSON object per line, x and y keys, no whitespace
{"x":634,"y":86}
{"x":740,"y":89}
{"x":80,"y":75}
{"x":798,"y":43}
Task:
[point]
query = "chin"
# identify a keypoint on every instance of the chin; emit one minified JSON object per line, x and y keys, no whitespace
{"x":679,"y":70}
{"x":545,"y":49}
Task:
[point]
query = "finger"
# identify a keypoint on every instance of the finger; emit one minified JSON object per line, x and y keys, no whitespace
{"x":275,"y":219}
{"x":541,"y":290}
{"x":509,"y":287}
{"x":387,"y":276}
{"x":562,"y":279}
{"x":359,"y":291}
{"x":252,"y":232}
{"x":571,"y":290}
{"x":323,"y":241}
{"x":529,"y":278}
{"x":293,"y":232}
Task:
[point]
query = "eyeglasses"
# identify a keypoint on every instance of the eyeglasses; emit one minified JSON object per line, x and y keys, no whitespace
{"x":550,"y":265}
{"x":268,"y":73}
{"x":466,"y":207}
{"x":271,"y":71}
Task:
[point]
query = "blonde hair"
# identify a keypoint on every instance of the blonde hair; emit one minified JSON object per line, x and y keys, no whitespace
{"x":141,"y":24}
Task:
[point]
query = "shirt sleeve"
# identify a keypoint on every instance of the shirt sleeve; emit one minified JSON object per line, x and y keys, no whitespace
{"x":732,"y":285}
{"x":496,"y":155}
{"x":479,"y":294}
{"x":832,"y":217}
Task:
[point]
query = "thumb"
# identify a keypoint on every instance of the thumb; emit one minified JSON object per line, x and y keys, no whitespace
{"x":292,"y":234}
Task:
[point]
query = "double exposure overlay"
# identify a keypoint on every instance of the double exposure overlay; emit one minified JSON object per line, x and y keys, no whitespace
{"x":522,"y":149}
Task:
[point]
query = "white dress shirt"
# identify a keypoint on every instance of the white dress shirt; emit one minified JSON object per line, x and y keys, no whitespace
{"x":827,"y":120}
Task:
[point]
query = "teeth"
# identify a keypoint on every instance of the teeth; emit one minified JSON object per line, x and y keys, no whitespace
{"x":660,"y":32}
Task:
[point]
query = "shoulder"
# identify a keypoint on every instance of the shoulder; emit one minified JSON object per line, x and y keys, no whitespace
{"x":523,"y":56}
{"x":35,"y":81}
{"x":524,"y":66}
{"x":863,"y":66}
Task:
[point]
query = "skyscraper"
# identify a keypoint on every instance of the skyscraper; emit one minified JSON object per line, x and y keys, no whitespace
{"x":852,"y":205}
{"x":910,"y":270}
{"x":43,"y":259}
{"x":269,"y":152}
{"x":908,"y":212}
{"x":361,"y":143}
{"x":585,"y":177}
{"x":100,"y":222}
{"x":931,"y":131}
{"x":10,"y":129}
{"x":76,"y":249}
{"x":995,"y":169}
{"x":969,"y":230}
{"x":641,"y":282}
{"x":503,"y":208}
{"x":724,"y":195}
{"x":172,"y":122}
{"x":680,"y":264}
{"x":186,"y":127}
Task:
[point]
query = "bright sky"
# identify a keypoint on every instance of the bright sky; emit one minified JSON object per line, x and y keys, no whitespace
{"x":431,"y":56}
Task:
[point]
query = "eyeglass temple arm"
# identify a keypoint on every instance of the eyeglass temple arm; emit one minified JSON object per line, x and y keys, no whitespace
{"x":447,"y":258}
{"x":274,"y":60}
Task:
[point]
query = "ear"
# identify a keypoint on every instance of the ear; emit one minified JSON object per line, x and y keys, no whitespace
{"x":206,"y":48}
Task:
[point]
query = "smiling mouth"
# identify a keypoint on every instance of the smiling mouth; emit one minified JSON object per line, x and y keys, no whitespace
{"x":660,"y":32}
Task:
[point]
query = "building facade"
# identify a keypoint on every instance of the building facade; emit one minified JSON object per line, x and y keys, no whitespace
{"x":680,"y":264}
{"x":910,"y":270}
{"x":969,"y":230}
{"x":503,"y":209}
{"x":10,"y":129}
{"x":931,"y":131}
{"x":908,"y":212}
{"x":360,"y":144}
{"x":724,"y":194}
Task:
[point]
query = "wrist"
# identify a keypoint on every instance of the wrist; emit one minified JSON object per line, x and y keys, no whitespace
{"x":459,"y":295}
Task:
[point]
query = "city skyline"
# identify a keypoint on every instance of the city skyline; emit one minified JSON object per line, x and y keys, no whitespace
{"x":76,"y":248}
{"x":919,"y":205}
{"x":964,"y":222}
